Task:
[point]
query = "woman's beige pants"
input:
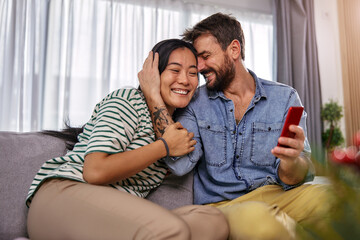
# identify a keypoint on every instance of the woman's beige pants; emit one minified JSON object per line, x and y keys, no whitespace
{"x":69,"y":210}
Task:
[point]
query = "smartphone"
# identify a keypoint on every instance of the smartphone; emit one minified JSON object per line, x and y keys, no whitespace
{"x":293,"y":118}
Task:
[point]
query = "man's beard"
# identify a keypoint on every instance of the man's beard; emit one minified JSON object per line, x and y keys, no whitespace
{"x":224,"y":76}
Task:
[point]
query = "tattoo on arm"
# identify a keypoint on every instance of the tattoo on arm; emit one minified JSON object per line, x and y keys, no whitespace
{"x":161,"y":119}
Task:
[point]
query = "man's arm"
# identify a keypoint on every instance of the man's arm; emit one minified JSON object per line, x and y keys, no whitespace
{"x":294,"y":164}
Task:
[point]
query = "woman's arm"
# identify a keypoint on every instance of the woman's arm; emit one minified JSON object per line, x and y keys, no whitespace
{"x":149,"y":79}
{"x":102,"y":168}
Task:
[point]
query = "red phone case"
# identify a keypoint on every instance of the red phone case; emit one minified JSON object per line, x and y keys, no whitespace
{"x":293,"y":118}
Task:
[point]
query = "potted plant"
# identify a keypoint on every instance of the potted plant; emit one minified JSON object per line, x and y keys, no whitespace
{"x":331,"y":113}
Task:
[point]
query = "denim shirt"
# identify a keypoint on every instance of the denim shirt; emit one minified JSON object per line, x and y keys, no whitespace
{"x":233,"y":159}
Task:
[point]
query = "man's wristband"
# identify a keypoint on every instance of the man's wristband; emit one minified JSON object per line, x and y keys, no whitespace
{"x":166,"y":146}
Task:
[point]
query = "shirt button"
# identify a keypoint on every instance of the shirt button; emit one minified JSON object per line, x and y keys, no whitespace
{"x":237,"y":156}
{"x":240,"y":133}
{"x":234,"y":131}
{"x":269,"y":128}
{"x":231,"y":110}
{"x":208,"y":127}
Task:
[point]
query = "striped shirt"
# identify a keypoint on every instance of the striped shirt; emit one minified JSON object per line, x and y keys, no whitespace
{"x":120,"y":122}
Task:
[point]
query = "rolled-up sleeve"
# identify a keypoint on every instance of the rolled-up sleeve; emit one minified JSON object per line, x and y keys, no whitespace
{"x":184,"y":164}
{"x":294,"y":100}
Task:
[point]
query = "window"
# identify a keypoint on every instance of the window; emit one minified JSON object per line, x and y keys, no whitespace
{"x":93,"y":47}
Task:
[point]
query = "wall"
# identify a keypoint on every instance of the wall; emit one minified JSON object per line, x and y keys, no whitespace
{"x":328,"y":41}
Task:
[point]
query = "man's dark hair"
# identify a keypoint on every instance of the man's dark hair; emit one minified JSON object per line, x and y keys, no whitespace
{"x":225,"y":28}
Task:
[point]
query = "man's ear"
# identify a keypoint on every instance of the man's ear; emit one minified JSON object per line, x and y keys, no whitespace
{"x":234,"y":49}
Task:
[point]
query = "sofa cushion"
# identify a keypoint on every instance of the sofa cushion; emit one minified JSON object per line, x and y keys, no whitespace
{"x":174,"y":191}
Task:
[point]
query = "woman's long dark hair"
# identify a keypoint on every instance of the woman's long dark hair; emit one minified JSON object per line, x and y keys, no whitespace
{"x":68,"y":134}
{"x":164,"y":48}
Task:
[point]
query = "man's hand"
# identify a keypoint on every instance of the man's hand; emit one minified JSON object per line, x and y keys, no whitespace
{"x":293,"y":167}
{"x":294,"y":145}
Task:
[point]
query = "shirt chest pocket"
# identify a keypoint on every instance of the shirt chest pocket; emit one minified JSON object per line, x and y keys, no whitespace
{"x":213,"y":138}
{"x":264,"y":137}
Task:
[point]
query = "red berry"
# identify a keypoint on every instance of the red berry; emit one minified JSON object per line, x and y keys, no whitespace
{"x":357,"y":158}
{"x":338,"y":155}
{"x":350,"y":154}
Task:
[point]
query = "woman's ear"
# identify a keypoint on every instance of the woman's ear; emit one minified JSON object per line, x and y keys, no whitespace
{"x":234,"y":49}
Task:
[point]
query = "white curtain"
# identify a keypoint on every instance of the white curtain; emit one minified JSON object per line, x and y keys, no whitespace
{"x":58,"y":58}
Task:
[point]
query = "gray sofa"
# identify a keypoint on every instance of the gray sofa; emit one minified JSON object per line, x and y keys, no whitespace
{"x":22,"y":154}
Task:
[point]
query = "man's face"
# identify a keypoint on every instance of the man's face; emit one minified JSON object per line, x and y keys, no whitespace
{"x":214,"y":63}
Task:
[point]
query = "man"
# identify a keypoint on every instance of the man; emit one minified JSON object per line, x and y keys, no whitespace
{"x":236,"y":120}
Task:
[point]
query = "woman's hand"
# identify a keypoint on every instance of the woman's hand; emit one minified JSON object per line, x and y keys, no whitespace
{"x":149,"y":77}
{"x":179,"y":140}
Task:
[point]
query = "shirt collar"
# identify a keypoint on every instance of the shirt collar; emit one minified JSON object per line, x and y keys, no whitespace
{"x":216,"y":94}
{"x":259,"y":91}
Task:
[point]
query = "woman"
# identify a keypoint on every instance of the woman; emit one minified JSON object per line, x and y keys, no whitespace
{"x":96,"y":191}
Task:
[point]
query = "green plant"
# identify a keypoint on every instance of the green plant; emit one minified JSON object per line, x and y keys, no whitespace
{"x":335,"y":140}
{"x":331,"y":113}
{"x":342,"y":220}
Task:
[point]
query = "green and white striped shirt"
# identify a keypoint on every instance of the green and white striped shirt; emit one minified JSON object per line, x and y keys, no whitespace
{"x":120,"y":122}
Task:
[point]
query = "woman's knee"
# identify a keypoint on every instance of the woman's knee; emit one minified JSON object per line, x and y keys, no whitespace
{"x":218,"y":224}
{"x":172,"y":228}
{"x":205,"y":222}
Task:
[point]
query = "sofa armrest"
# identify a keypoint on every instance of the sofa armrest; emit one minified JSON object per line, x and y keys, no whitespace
{"x":21,"y":156}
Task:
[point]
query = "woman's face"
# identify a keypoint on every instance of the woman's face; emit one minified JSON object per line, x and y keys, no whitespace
{"x":179,"y":80}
